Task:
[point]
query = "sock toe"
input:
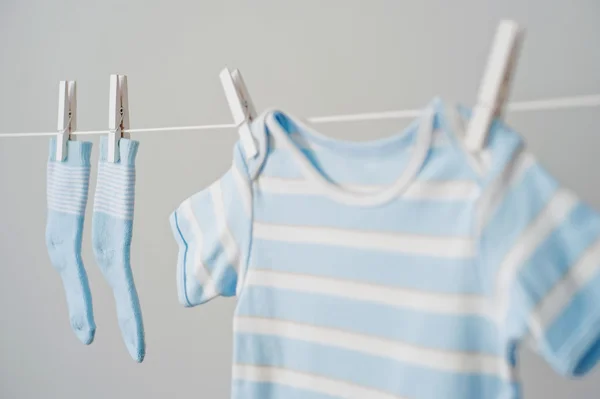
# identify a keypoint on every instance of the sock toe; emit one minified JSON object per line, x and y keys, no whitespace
{"x":133,"y":336}
{"x":84,"y":332}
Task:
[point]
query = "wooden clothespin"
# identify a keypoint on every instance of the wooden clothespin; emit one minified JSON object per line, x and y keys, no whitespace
{"x":118,"y":115}
{"x":241,"y":106}
{"x":67,"y":116}
{"x":495,"y":86}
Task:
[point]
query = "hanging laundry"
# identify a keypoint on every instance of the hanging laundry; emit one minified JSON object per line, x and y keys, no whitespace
{"x":67,"y":194}
{"x":112,"y":228}
{"x":393,"y":268}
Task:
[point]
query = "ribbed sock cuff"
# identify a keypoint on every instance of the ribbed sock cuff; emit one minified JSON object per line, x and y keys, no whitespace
{"x":78,"y":152}
{"x":127,"y":150}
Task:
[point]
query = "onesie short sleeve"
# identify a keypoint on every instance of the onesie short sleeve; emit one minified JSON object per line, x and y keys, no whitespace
{"x":540,"y":245}
{"x":212,"y":229}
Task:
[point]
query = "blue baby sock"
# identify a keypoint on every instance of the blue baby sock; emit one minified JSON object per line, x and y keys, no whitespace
{"x":67,"y":194}
{"x":111,"y":236}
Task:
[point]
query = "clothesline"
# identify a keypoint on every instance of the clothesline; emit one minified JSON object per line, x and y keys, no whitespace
{"x":518,"y":106}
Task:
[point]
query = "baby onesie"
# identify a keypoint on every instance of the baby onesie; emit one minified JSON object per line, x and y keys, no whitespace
{"x":402,"y":268}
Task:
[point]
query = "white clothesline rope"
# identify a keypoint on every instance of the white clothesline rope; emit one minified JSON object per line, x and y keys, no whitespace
{"x":519,"y":106}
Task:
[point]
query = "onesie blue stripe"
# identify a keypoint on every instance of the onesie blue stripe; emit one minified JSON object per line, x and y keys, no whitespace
{"x":518,"y":210}
{"x":447,"y":167}
{"x":346,"y":365}
{"x":450,"y":218}
{"x":461,"y":333}
{"x":214,"y":258}
{"x":563,"y":247}
{"x":377,"y":267}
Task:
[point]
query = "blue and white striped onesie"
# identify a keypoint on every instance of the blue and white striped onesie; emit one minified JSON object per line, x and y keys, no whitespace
{"x":403,"y":268}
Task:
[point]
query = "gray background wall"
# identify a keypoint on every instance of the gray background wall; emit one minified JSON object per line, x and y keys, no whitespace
{"x":309,"y":57}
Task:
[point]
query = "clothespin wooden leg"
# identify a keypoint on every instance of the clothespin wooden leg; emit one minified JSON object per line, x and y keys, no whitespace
{"x":496,"y":82}
{"x":118,"y":115}
{"x":67,"y":116}
{"x":241,"y":106}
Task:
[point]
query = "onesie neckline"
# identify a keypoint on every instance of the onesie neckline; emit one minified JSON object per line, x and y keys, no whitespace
{"x":419,"y":148}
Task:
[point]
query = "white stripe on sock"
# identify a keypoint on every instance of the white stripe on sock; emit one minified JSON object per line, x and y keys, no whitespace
{"x":115,"y":190}
{"x":67,"y":188}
